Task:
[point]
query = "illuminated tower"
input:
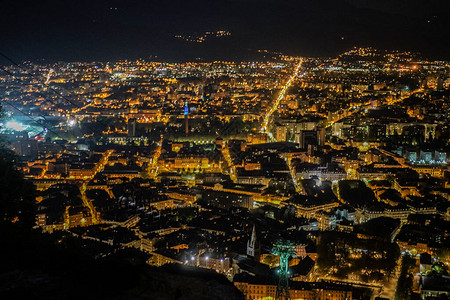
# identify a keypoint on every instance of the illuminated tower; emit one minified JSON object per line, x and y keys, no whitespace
{"x":285,"y":250}
{"x":186,"y":113}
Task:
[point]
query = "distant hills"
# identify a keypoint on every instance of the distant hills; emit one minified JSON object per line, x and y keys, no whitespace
{"x":109,"y":30}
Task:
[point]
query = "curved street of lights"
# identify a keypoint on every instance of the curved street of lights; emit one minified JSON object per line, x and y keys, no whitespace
{"x":279,"y":98}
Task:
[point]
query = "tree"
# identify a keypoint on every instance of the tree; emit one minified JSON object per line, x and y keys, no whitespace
{"x":405,"y":281}
{"x":271,"y":260}
{"x":17,"y":195}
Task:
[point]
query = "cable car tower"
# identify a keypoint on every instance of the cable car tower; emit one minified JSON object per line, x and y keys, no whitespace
{"x":286,"y":250}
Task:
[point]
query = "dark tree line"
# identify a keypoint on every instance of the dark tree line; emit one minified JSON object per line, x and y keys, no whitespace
{"x":17,"y":195}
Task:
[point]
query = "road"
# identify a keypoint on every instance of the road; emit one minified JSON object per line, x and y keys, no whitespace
{"x":297,"y":185}
{"x":88,"y":203}
{"x":276,"y":103}
{"x":231,"y":166}
{"x":389,"y":288}
{"x":153,"y":166}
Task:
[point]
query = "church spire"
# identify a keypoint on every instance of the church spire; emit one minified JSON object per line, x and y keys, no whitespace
{"x":251,"y":244}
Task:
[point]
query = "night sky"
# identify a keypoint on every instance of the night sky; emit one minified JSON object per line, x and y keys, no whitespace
{"x":130,"y":29}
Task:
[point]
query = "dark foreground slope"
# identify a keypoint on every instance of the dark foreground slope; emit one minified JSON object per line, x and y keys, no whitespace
{"x":59,"y":266}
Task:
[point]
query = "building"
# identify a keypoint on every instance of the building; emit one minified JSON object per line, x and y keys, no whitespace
{"x":425,"y":263}
{"x":258,"y":288}
{"x":79,"y":217}
{"x":280,"y":134}
{"x":227,"y":200}
{"x":434,"y":287}
{"x":322,"y":172}
{"x":304,"y":270}
{"x":214,"y":262}
{"x":166,"y":204}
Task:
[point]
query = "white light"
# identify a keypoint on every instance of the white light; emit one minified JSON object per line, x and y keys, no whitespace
{"x":13,"y":124}
{"x":72,"y":123}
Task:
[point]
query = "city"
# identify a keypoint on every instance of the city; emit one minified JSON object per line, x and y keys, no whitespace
{"x":279,"y":177}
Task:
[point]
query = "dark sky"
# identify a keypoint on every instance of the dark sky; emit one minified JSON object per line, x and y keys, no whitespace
{"x":91,"y":30}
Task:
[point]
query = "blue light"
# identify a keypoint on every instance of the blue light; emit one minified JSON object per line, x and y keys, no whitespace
{"x":186,"y":108}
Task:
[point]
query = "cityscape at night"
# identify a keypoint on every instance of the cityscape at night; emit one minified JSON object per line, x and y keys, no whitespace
{"x":210,"y":162}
